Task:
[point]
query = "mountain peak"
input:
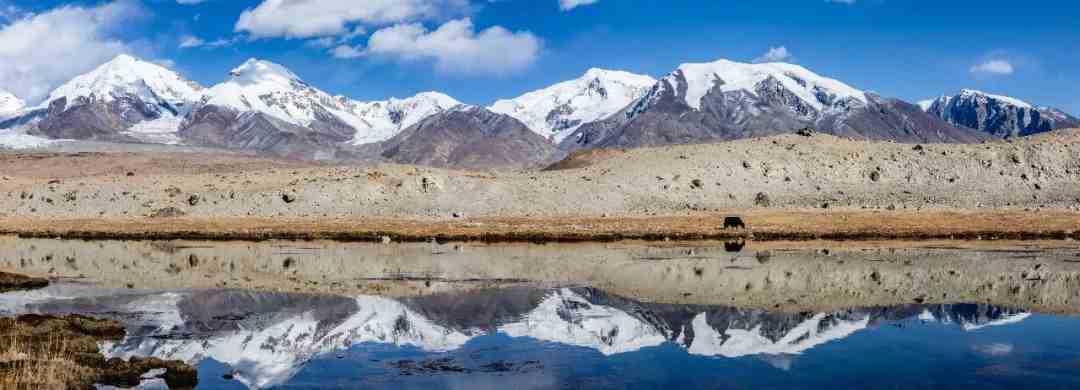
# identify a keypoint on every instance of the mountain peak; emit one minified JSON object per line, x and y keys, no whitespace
{"x":255,"y":71}
{"x":813,"y":89}
{"x":126,"y":75}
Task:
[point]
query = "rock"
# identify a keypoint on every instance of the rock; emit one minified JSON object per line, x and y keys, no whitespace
{"x":875,"y":176}
{"x":173,"y":192}
{"x":762,"y":200}
{"x":386,"y":240}
{"x":194,"y":199}
{"x":1016,"y":159}
{"x":168,"y":212}
{"x":288,"y":198}
{"x":130,"y":174}
{"x":457,"y":215}
{"x":806,"y":132}
{"x":746,"y":164}
{"x":697,"y":184}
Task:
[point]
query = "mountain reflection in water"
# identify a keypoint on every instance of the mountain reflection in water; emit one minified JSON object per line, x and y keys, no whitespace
{"x":263,"y":340}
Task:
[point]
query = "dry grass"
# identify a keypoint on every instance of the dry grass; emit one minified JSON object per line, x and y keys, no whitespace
{"x":32,"y":365}
{"x":43,"y":352}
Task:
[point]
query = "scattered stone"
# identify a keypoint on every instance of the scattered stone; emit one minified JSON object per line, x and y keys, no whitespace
{"x":697,"y":184}
{"x":288,"y":198}
{"x":173,"y":192}
{"x":194,"y":199}
{"x":386,"y":240}
{"x":130,"y":174}
{"x":806,"y":132}
{"x":875,"y":176}
{"x":746,"y":164}
{"x":168,"y":212}
{"x":762,"y":200}
{"x":1016,"y":159}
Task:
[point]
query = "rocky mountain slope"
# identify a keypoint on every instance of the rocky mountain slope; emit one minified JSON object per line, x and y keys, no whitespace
{"x":726,"y":100}
{"x":556,"y":111}
{"x":469,"y":137}
{"x":1001,"y":116}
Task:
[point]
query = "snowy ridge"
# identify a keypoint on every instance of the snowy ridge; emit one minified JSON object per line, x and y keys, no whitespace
{"x":268,"y":88}
{"x":978,"y":96}
{"x":9,"y":105}
{"x":819,"y":329}
{"x":817,"y":91}
{"x":556,"y":111}
{"x":389,"y":117}
{"x":568,"y":318}
{"x":127,"y":76}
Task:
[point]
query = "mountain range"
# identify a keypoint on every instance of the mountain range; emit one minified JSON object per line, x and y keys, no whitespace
{"x":264,"y":107}
{"x":267,"y":338}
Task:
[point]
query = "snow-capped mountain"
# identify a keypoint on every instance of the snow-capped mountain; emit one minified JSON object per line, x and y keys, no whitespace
{"x":725,"y":100}
{"x":9,"y":105}
{"x":387,"y":118}
{"x":556,"y":111}
{"x":125,"y":99}
{"x":265,"y":106}
{"x":129,"y":77}
{"x":1002,"y":116}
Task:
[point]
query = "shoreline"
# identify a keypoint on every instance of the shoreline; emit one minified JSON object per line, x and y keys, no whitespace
{"x":763,"y":225}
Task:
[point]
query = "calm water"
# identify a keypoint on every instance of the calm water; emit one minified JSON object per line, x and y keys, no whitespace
{"x":565,"y":338}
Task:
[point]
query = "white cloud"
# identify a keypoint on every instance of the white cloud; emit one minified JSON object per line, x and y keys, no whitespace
{"x":39,"y":52}
{"x":346,"y":52}
{"x":775,"y":54}
{"x":455,"y":47}
{"x":993,"y":67}
{"x":318,"y":18}
{"x":848,"y":2}
{"x":191,"y":41}
{"x":567,"y":5}
{"x":189,"y":2}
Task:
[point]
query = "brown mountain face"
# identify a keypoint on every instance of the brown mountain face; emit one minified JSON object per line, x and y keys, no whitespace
{"x":225,"y":128}
{"x":469,"y":138}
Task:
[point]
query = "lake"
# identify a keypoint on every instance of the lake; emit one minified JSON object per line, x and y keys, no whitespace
{"x":305,"y":315}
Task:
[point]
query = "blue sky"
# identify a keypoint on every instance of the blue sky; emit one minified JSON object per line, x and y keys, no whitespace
{"x":911,"y":49}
